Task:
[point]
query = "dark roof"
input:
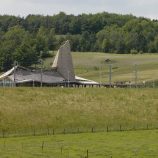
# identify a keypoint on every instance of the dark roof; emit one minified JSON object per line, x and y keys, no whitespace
{"x":26,"y":75}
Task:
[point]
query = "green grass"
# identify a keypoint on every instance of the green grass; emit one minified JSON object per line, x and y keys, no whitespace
{"x":29,"y":109}
{"x":35,"y":111}
{"x":136,"y":144}
{"x":93,"y":66}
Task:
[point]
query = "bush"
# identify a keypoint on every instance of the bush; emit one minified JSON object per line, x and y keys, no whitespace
{"x":134,"y":51}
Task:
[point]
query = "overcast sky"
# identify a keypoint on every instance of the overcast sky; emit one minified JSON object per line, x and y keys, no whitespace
{"x":146,"y":8}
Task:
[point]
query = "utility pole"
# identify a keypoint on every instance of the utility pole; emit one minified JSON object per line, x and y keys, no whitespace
{"x":68,"y":78}
{"x":41,"y":62}
{"x":136,"y":75}
{"x":153,"y":84}
{"x":15,"y":64}
{"x":110,"y":75}
{"x":100,"y":76}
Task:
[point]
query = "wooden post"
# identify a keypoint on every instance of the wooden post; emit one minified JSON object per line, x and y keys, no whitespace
{"x":134,"y":128}
{"x":4,"y":145}
{"x":87,"y":154}
{"x":34,"y":132}
{"x":42,"y":145}
{"x":120,"y":128}
{"x":107,"y":128}
{"x":61,"y":150}
{"x":22,"y":147}
{"x":48,"y":130}
{"x":92,"y":130}
{"x":64,"y":131}
{"x":147,"y":127}
{"x":3,"y":133}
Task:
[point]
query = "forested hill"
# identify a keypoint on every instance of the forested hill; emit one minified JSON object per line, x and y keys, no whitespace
{"x":30,"y":38}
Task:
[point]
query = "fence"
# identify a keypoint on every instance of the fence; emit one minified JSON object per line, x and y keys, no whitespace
{"x":55,"y":147}
{"x":52,"y":131}
{"x":46,"y":150}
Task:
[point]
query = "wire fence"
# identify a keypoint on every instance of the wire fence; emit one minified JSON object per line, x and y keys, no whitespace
{"x":58,"y":148}
{"x":50,"y":149}
{"x":52,"y":131}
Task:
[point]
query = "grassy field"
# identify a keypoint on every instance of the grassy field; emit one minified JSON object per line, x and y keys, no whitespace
{"x":93,"y":66}
{"x":72,"y":121}
{"x":136,"y":144}
{"x":29,"y":109}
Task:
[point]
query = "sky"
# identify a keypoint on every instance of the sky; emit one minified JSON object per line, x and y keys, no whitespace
{"x":145,"y":8}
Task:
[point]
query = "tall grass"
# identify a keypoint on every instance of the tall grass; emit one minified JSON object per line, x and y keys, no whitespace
{"x":42,"y":108}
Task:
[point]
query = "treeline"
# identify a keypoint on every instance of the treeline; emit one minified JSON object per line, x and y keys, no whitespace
{"x":28,"y":39}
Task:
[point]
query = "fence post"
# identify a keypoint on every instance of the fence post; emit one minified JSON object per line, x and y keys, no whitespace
{"x":120,"y":128}
{"x":4,"y":145}
{"x":61,"y":150}
{"x":147,"y":127}
{"x":48,"y":131}
{"x":64,"y":131}
{"x":87,"y":154}
{"x":3,"y":133}
{"x":42,"y":145}
{"x":22,"y":146}
{"x":107,"y":128}
{"x":34,"y":132}
{"x":92,"y":130}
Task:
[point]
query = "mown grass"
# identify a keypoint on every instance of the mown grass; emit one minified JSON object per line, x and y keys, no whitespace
{"x":136,"y":144}
{"x":83,"y":108}
{"x":93,"y":66}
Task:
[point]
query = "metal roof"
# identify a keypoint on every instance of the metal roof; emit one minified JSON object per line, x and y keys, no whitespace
{"x":21,"y":74}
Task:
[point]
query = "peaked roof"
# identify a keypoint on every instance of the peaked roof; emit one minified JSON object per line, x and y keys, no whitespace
{"x":63,"y":62}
